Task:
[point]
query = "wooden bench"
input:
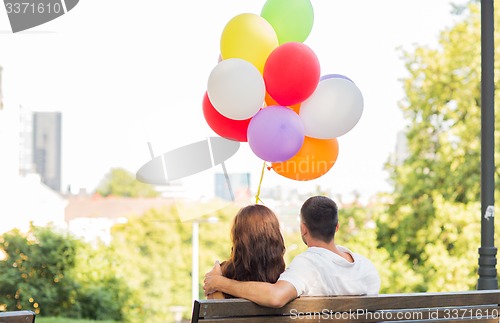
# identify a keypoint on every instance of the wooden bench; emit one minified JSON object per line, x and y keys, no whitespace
{"x":471,"y":306}
{"x":17,"y":317}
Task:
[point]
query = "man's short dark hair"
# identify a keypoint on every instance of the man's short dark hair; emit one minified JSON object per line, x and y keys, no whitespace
{"x":320,"y":215}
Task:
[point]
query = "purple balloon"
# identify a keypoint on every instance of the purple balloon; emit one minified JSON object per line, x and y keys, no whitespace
{"x":331,"y":76}
{"x":275,"y":133}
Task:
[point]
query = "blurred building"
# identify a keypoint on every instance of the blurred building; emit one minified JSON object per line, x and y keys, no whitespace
{"x":1,"y":94}
{"x":24,"y":199}
{"x":26,"y":163}
{"x":47,"y":147}
{"x":235,"y":187}
{"x":91,"y":217}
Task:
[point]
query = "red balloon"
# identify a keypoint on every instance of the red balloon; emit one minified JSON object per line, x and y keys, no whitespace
{"x":223,"y":126}
{"x":291,"y":73}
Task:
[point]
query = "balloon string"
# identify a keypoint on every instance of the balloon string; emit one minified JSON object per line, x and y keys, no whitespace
{"x":257,"y":198}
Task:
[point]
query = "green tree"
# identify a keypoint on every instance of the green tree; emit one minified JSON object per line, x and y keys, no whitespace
{"x":120,"y":182}
{"x":36,"y":272}
{"x":56,"y":275}
{"x":215,"y":241}
{"x":102,"y":294}
{"x":358,"y":231}
{"x":153,"y":255}
{"x":442,"y":171}
{"x":450,"y":246}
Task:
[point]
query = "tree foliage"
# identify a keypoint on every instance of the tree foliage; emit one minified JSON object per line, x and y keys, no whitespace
{"x":120,"y":182}
{"x":160,"y":245}
{"x":434,"y":215}
{"x":54,"y":275}
{"x":36,"y":272}
{"x":153,"y":258}
{"x":102,"y":293}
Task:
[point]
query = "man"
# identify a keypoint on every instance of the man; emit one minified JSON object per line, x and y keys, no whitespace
{"x":323,"y":269}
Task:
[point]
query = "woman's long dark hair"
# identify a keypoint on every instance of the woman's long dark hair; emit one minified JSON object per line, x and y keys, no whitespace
{"x":258,"y":246}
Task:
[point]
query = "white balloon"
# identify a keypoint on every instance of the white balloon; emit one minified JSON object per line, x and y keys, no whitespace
{"x":333,"y":109}
{"x":236,"y":89}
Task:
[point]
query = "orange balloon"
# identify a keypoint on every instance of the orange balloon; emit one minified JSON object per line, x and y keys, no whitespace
{"x":313,"y":160}
{"x":295,"y":107}
{"x":270,"y":101}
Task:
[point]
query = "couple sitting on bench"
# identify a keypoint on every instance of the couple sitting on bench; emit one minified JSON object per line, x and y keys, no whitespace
{"x":256,"y":269}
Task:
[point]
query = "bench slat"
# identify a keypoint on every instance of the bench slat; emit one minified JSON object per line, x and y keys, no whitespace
{"x":288,"y":320}
{"x":470,"y":314}
{"x":17,"y":317}
{"x":471,"y":306}
{"x":240,"y":307}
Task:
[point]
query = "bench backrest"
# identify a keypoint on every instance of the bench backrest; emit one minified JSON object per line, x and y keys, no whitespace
{"x":17,"y":317}
{"x":471,"y":306}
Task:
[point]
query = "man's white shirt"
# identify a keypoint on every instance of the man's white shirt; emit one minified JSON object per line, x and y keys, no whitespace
{"x":321,"y":272}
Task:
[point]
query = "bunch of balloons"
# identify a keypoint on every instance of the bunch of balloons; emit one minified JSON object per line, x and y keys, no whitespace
{"x":267,"y":90}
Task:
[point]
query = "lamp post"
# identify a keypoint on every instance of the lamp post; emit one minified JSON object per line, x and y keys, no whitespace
{"x":195,"y":262}
{"x":195,"y":284}
{"x":487,"y":252}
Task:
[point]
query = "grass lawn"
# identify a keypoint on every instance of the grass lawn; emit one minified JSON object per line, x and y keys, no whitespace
{"x":40,"y":319}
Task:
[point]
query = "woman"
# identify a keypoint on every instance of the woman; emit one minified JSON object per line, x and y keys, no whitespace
{"x":258,"y":247}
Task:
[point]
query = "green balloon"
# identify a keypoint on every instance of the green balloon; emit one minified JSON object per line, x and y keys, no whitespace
{"x":292,"y":20}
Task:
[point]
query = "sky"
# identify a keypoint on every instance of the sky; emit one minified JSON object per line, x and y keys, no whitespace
{"x":124,"y":73}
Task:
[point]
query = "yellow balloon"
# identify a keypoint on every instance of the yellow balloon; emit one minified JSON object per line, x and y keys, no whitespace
{"x":250,"y":37}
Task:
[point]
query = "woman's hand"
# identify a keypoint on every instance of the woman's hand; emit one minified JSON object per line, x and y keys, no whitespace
{"x":210,"y":282}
